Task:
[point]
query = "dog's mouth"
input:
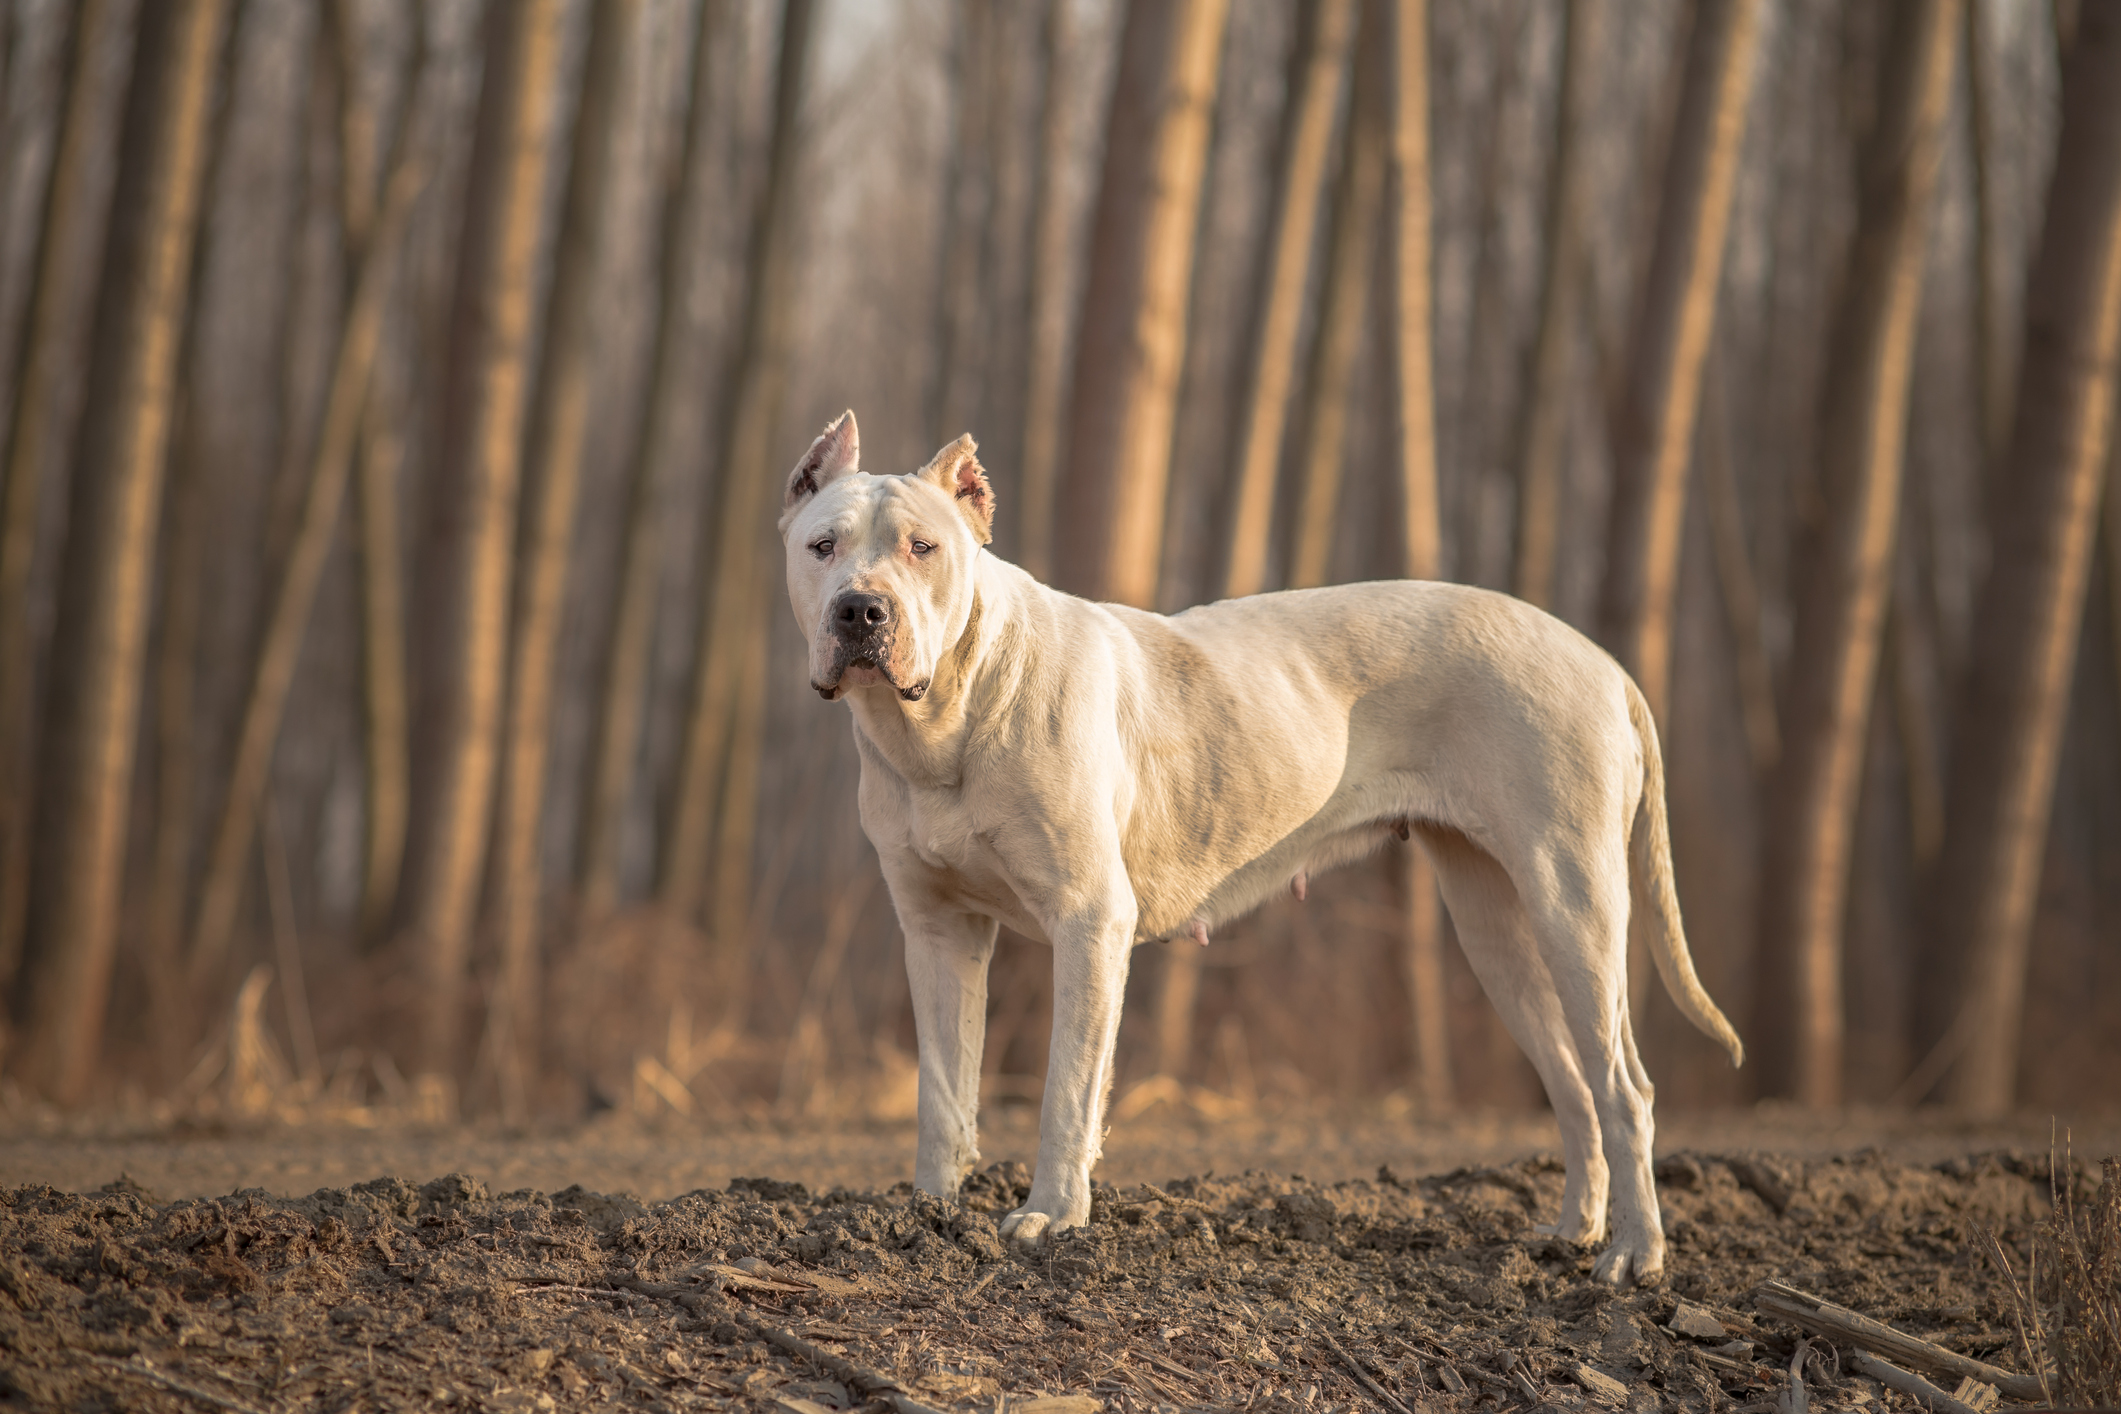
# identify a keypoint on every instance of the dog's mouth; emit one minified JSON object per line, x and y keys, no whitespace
{"x":863,"y":670}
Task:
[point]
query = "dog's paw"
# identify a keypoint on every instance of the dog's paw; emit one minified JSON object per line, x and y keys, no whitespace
{"x":1026,"y":1229}
{"x":1629,"y":1263}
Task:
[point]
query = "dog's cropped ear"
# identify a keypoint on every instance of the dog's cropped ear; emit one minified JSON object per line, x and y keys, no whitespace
{"x":837,"y":452}
{"x":956,"y":470}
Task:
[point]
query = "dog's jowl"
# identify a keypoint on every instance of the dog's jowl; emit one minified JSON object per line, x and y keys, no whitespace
{"x":1097,"y":777}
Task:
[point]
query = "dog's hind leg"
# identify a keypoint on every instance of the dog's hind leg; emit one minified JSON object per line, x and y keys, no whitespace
{"x":1496,"y":932}
{"x":946,"y":965}
{"x":1581,"y":920}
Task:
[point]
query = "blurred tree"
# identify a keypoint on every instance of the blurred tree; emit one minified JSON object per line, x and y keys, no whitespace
{"x":964,"y":292}
{"x":1992,"y":351}
{"x":385,"y":693}
{"x":717,"y":789}
{"x":2012,"y":712}
{"x":482,"y":454}
{"x":558,"y":441}
{"x":1671,"y":343}
{"x":659,"y":454}
{"x":1329,"y":386}
{"x":1413,"y":342}
{"x":92,"y":714}
{"x":1131,"y":346}
{"x":1846,"y":577}
{"x":1047,"y":375}
{"x":1318,"y":72}
{"x":1736,"y":576}
{"x":51,"y":334}
{"x":1542,"y":432}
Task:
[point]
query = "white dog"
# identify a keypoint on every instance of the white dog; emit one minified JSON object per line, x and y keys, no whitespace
{"x":1098,"y":777}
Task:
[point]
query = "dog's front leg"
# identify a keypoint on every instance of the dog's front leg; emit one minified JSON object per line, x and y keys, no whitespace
{"x":946,"y":964}
{"x":1090,"y":957}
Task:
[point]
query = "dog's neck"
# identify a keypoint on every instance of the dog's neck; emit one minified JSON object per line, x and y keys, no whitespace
{"x":925,"y":741}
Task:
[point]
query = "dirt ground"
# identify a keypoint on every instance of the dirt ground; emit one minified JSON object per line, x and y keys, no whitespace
{"x":1325,"y":1271}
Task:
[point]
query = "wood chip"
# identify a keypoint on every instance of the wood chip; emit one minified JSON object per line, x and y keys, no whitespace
{"x":1601,"y":1387}
{"x":1697,"y":1321}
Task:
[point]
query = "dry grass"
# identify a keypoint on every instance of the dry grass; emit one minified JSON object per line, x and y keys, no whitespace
{"x":2067,"y":1302}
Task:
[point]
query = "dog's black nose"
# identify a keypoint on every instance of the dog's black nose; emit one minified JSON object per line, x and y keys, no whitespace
{"x":859,"y":615}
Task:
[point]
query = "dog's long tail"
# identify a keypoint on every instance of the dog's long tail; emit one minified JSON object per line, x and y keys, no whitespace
{"x":1650,"y":864}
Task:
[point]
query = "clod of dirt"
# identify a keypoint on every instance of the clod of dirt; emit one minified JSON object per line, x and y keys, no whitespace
{"x":1263,"y":1291}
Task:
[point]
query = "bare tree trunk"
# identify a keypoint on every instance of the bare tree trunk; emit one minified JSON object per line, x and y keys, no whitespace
{"x":717,"y":779}
{"x":1133,"y":342}
{"x":1356,"y":201}
{"x":1992,"y":355}
{"x":2011,"y":718}
{"x":221,"y":893}
{"x":1846,"y":582}
{"x":1326,"y":30}
{"x":496,"y":310}
{"x":385,"y":695}
{"x":968,"y":218}
{"x":1671,"y":343}
{"x":559,"y":436}
{"x":1736,"y":578}
{"x":1911,"y":642}
{"x":1413,"y":343}
{"x":1050,"y":287}
{"x":672,"y":385}
{"x":50,"y":338}
{"x":2113,"y":560}
{"x":1543,"y":435}
{"x":108,"y":579}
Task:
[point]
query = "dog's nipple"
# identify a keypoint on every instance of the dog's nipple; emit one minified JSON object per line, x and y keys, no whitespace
{"x":1299,"y":885}
{"x":1198,"y":931}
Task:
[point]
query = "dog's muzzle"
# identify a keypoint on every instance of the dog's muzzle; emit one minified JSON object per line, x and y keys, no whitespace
{"x":864,"y":630}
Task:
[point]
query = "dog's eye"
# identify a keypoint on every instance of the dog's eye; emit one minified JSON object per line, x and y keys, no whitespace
{"x":922,"y":547}
{"x":822,"y":549}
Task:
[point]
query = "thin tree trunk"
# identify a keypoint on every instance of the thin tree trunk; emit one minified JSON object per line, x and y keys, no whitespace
{"x":1413,"y":344}
{"x":1671,"y":343}
{"x":968,"y":217}
{"x":2113,"y":560}
{"x":1356,"y":201}
{"x":496,"y":311}
{"x":672,"y":385}
{"x":723,"y":721}
{"x":1050,"y":287}
{"x":272,"y":674}
{"x":1326,"y":31}
{"x":2010,"y":723}
{"x":385,"y":694}
{"x":1736,"y":578}
{"x":1543,"y":443}
{"x":1847,"y":581}
{"x":1992,"y":355}
{"x":108,"y":579}
{"x":1911,"y":641}
{"x":50,"y":339}
{"x":1132,"y":346}
{"x":559,"y":437}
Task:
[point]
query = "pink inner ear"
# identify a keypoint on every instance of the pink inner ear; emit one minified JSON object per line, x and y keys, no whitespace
{"x":969,"y":481}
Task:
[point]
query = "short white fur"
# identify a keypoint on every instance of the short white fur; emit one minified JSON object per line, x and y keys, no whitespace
{"x":1097,"y":777}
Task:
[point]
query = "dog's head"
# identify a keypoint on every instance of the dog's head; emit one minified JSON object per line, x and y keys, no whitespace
{"x":880,"y":567}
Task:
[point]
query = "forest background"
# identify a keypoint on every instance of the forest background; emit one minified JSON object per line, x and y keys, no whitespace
{"x":399,"y":709}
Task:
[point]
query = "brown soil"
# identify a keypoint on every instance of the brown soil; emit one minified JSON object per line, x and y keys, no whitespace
{"x":1255,"y":1292}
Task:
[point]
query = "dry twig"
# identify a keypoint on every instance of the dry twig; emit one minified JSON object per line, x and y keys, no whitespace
{"x":1362,"y":1376}
{"x":1823,"y":1317}
{"x":1885,"y":1372}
